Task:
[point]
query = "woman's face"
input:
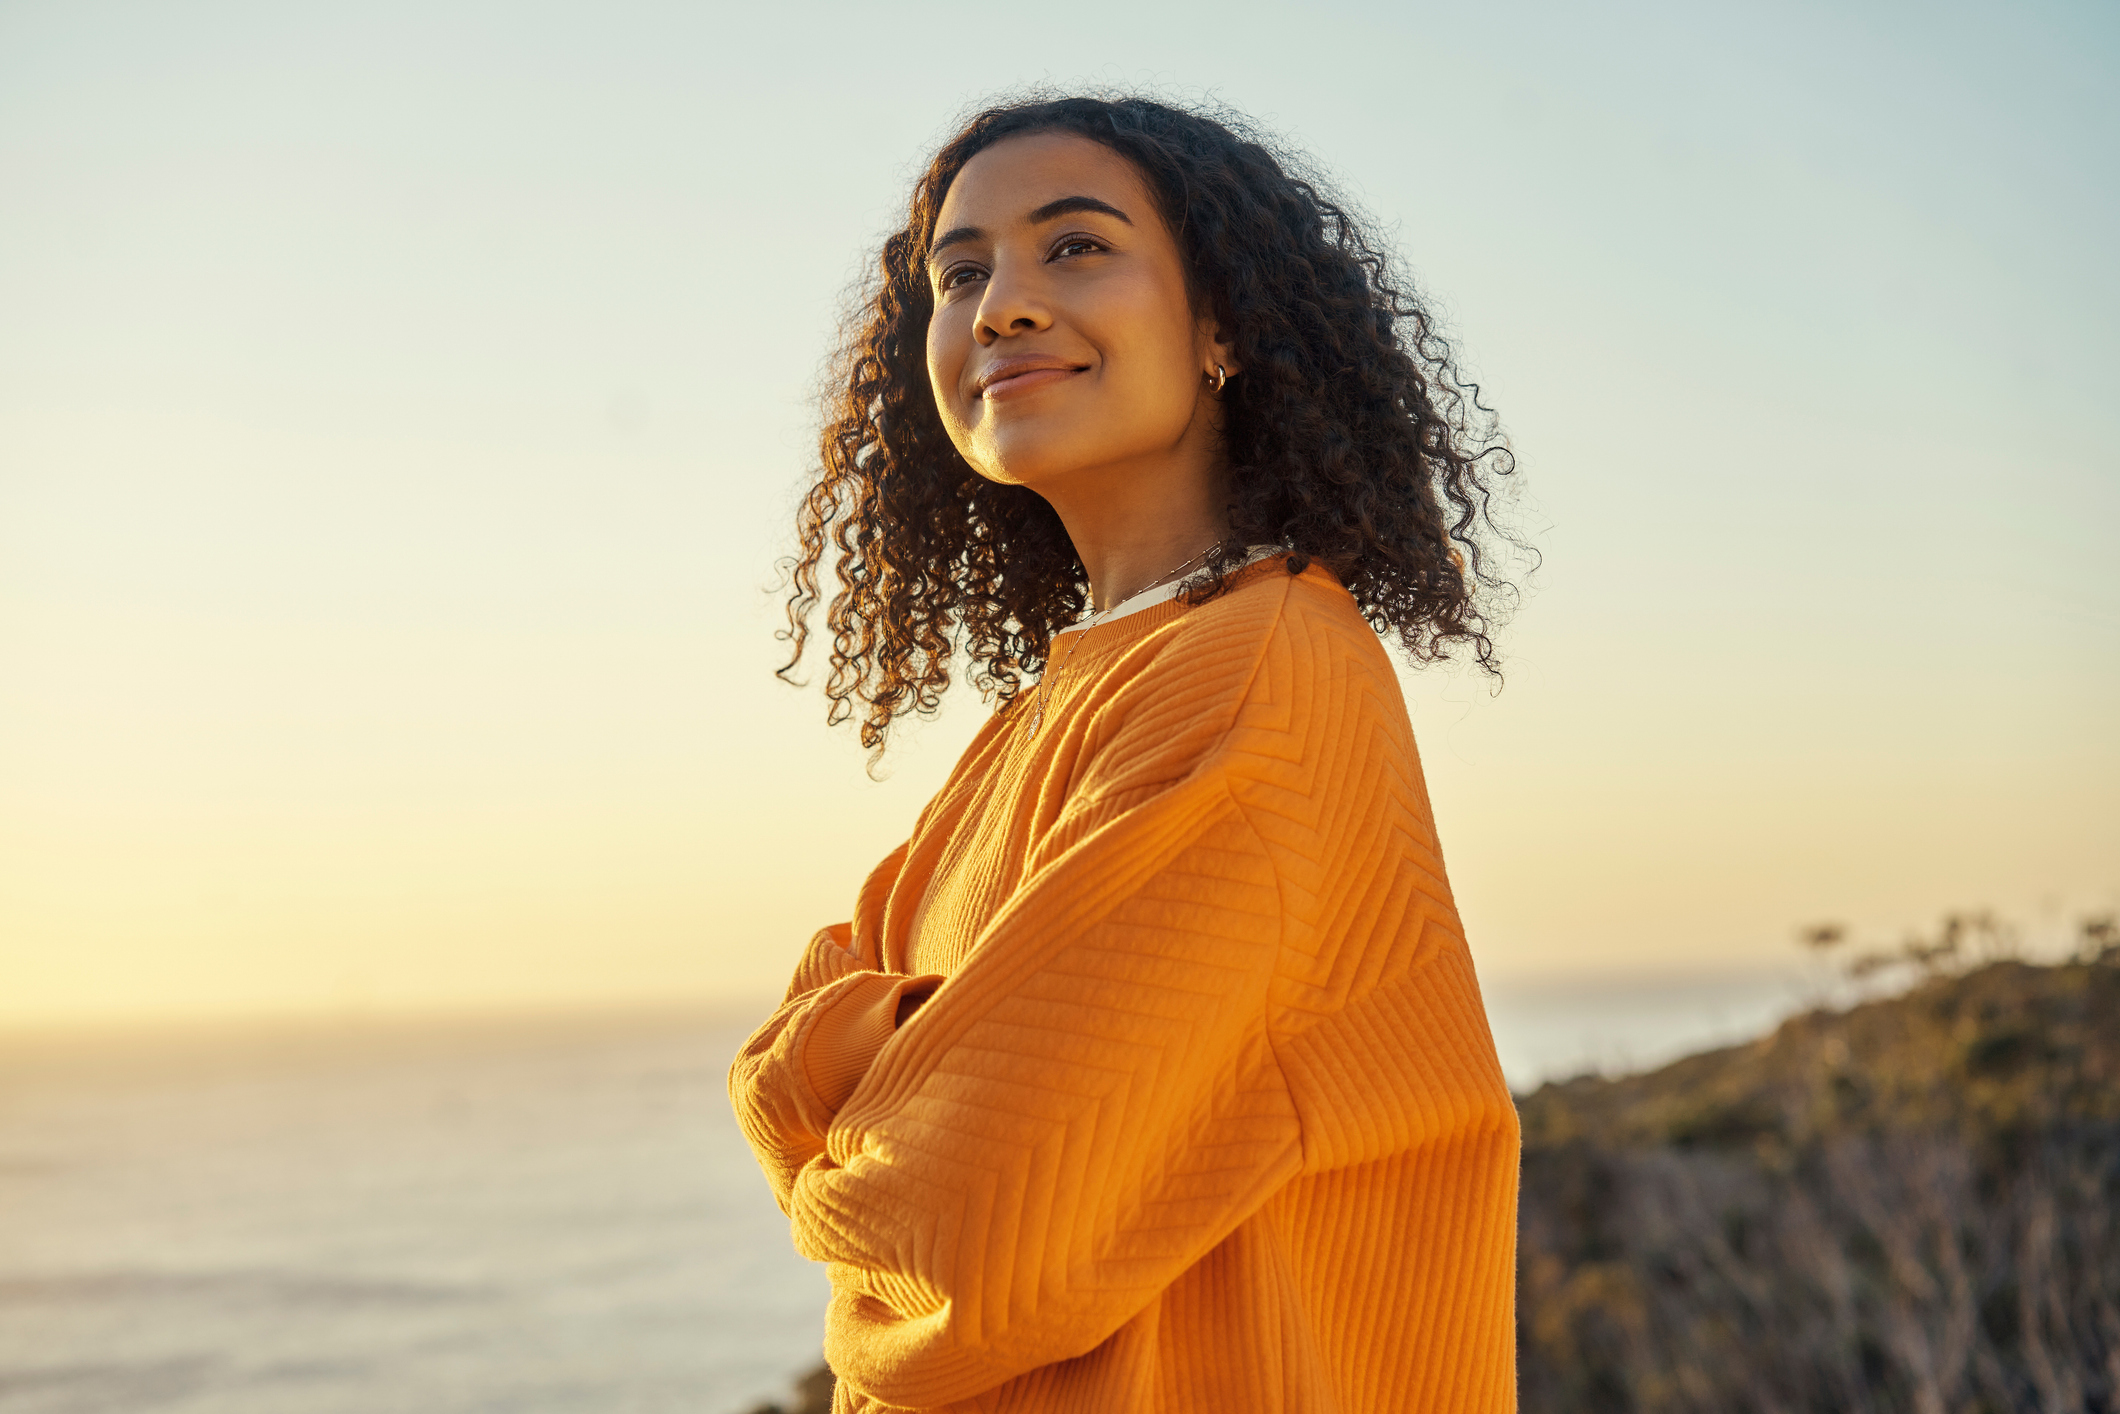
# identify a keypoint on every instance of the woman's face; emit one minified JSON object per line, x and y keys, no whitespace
{"x":1062,"y":339}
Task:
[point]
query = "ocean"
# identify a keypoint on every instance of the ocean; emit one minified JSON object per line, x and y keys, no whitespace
{"x":536,"y":1216}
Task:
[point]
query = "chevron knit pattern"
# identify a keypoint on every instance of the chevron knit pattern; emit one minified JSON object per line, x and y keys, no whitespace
{"x":1204,"y":1114}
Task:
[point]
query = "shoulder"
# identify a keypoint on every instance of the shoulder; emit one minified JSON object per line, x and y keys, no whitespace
{"x":1319,"y":753}
{"x":1322,"y":676}
{"x":1266,"y":600}
{"x":1278,"y":664}
{"x":1271,"y":630}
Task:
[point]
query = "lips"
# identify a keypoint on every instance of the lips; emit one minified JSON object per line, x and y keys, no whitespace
{"x":1021,"y":375}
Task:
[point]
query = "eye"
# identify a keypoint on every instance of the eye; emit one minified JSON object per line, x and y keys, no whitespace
{"x":1076,"y":245}
{"x":958,"y":275}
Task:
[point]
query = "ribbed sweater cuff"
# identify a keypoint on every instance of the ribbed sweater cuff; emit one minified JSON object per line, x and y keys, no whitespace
{"x":841,"y":1041}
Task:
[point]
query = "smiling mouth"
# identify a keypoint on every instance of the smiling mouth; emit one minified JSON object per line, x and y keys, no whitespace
{"x":1026,"y":381}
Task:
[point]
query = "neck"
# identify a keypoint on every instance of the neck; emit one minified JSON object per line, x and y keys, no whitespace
{"x":1128,"y":569}
{"x":1132,"y":525}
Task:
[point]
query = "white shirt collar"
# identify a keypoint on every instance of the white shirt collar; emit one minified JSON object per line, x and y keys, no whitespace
{"x":1149,"y":598}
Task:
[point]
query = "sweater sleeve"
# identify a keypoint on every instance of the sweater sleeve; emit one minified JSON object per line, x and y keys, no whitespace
{"x":794,"y":1072}
{"x":1091,"y":1104}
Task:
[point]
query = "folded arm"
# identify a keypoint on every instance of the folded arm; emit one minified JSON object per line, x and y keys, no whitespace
{"x":794,"y":1073}
{"x":1089,"y":1107}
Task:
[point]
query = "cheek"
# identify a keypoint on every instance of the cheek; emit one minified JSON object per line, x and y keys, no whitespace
{"x":945,"y":364}
{"x":1154,"y":337}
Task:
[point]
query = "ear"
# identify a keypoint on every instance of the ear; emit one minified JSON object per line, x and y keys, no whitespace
{"x":1217,"y":347}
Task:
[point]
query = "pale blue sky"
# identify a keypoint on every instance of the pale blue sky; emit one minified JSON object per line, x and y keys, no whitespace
{"x":400,"y":408}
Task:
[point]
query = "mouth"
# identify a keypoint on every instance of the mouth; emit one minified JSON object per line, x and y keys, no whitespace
{"x":1022,"y":375}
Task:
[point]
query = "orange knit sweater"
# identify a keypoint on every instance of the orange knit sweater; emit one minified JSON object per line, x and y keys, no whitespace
{"x":1206,"y":1115}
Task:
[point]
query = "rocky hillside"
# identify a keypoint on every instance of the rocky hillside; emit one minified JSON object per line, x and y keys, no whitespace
{"x":1912,"y":1205}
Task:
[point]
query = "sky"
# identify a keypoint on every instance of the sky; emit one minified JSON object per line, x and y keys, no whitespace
{"x":402,"y":408}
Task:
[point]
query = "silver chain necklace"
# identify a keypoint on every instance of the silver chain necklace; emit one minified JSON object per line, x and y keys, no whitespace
{"x":1052,"y":674}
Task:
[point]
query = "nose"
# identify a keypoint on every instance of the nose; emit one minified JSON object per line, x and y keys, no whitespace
{"x":1014,"y":302}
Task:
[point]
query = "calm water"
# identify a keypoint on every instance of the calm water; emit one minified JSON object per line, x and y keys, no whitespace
{"x":493,"y":1217}
{"x":521,"y":1217}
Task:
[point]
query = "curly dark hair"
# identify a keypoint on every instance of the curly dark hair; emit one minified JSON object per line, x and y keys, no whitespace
{"x":1351,"y":438}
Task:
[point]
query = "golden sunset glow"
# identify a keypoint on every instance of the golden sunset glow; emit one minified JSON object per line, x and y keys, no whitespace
{"x":398,"y":430}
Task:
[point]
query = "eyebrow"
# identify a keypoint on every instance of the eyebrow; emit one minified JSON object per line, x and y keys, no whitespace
{"x":1052,"y":210}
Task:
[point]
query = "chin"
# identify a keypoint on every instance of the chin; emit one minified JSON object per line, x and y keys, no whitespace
{"x":1023,"y":456}
{"x":1025,"y":462}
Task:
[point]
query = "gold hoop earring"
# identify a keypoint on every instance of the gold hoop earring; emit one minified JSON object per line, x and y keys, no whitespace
{"x":1221,"y":377}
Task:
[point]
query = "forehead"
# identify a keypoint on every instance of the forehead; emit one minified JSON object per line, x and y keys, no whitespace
{"x":1017,"y":175}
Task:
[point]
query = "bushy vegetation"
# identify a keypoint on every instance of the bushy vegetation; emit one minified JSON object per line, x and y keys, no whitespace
{"x":1909,"y":1205}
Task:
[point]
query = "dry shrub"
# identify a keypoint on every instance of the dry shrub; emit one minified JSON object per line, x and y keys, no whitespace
{"x":1906,"y":1207}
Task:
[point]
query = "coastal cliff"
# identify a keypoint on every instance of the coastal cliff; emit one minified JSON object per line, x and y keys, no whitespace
{"x":1912,"y":1205}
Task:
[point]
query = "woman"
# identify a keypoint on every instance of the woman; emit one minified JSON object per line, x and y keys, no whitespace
{"x":1150,"y":1073}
